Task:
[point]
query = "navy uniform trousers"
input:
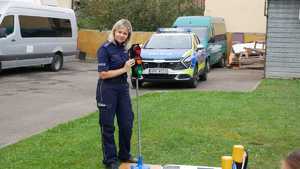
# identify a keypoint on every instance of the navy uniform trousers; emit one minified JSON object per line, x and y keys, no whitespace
{"x":113,"y":100}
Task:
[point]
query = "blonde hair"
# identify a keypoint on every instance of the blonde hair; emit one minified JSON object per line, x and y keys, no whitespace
{"x":121,"y":23}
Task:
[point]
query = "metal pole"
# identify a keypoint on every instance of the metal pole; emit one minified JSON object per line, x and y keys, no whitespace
{"x":139,"y":117}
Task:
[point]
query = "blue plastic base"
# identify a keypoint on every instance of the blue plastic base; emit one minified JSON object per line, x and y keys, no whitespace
{"x":140,"y":164}
{"x":140,"y":167}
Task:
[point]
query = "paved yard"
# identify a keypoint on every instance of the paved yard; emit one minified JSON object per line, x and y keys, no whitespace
{"x":219,"y":79}
{"x":32,"y":100}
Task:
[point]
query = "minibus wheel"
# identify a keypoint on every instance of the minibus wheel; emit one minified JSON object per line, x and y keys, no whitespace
{"x":57,"y":63}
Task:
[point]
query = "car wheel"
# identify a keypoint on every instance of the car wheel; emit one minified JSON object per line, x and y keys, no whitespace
{"x":57,"y":63}
{"x":133,"y":83}
{"x":207,"y":66}
{"x":203,"y":76}
{"x":194,"y":82}
{"x":222,"y":61}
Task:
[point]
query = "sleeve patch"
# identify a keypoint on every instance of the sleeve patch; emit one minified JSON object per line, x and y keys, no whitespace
{"x":102,"y":64}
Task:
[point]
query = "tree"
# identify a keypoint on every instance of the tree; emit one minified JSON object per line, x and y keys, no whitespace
{"x":145,"y":15}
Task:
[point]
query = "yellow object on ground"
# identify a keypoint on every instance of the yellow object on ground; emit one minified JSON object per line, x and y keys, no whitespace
{"x":238,"y":153}
{"x":226,"y":162}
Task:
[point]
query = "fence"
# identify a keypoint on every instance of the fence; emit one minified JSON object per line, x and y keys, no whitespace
{"x":90,"y":40}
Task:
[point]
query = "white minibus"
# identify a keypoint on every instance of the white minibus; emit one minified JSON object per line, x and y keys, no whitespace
{"x":33,"y":34}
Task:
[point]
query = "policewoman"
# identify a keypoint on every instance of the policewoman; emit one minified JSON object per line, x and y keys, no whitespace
{"x":112,"y":95}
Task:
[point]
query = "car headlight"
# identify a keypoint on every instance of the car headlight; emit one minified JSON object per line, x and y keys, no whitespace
{"x":187,"y":61}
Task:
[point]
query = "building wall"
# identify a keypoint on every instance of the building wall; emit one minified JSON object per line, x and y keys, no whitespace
{"x":283,"y":39}
{"x":48,"y":2}
{"x":240,"y":15}
{"x":59,"y":3}
{"x":64,"y":3}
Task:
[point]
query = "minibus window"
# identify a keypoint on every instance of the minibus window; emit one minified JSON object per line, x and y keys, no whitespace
{"x":33,"y":26}
{"x":7,"y":26}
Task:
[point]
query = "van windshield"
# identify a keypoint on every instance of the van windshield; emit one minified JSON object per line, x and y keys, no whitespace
{"x":201,"y":32}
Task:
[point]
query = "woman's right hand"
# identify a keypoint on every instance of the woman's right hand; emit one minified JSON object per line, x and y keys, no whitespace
{"x":129,"y":63}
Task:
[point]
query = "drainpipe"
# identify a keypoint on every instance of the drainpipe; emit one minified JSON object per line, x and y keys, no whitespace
{"x":266,"y":9}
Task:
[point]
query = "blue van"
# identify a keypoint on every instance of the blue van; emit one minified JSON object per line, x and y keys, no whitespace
{"x":212,"y":34}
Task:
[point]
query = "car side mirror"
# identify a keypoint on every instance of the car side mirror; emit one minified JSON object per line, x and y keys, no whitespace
{"x":3,"y":32}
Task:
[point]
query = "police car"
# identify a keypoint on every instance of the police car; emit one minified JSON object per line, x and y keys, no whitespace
{"x":174,"y":54}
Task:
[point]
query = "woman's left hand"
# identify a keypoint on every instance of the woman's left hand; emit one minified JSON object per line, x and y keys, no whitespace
{"x":129,"y":63}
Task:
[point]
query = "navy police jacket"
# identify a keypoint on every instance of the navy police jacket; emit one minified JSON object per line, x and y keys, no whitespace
{"x":112,"y":56}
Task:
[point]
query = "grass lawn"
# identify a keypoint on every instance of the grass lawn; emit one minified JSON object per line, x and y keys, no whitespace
{"x":180,"y":127}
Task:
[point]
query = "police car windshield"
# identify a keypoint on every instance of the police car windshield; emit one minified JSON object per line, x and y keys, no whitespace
{"x":169,"y":41}
{"x":201,"y":32}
